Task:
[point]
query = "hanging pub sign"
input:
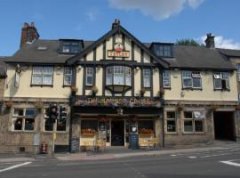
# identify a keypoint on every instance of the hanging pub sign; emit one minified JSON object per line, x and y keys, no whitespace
{"x":118,"y":50}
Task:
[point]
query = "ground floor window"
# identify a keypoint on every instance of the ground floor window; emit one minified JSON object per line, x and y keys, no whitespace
{"x":193,"y":121}
{"x":24,"y":119}
{"x":171,"y":121}
{"x":89,"y":127}
{"x":146,"y":128}
{"x":61,"y":125}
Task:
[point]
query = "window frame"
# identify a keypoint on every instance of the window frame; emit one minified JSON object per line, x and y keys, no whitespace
{"x":119,"y":73}
{"x":223,"y":80}
{"x":171,"y":119}
{"x":89,"y":74}
{"x":54,"y":126}
{"x":166,"y":77}
{"x":191,"y":76}
{"x":23,"y":118}
{"x":193,"y":119}
{"x":70,"y":75}
{"x":147,"y":77}
{"x":41,"y":73}
{"x":71,"y":47}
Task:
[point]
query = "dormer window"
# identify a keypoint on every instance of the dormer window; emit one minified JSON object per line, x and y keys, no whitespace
{"x":71,"y":46}
{"x":163,"y":49}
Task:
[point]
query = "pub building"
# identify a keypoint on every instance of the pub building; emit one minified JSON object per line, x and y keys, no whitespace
{"x":116,"y":91}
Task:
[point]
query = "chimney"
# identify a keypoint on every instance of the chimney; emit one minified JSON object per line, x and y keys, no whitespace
{"x":29,"y":34}
{"x":116,"y":23}
{"x":210,"y":43}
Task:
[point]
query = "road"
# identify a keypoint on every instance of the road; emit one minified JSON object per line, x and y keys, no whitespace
{"x":204,"y":164}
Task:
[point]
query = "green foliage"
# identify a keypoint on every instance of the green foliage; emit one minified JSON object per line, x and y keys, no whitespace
{"x":187,"y":42}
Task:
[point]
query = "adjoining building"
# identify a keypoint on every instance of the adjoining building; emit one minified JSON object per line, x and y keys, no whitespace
{"x":113,"y":88}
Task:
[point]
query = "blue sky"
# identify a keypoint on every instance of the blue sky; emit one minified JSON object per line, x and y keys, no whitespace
{"x":148,"y":20}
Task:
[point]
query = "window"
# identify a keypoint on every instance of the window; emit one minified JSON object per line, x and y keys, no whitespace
{"x":146,"y":127}
{"x":146,"y":78}
{"x":238,"y":72}
{"x":89,"y":127}
{"x":89,"y":76}
{"x":61,"y":125}
{"x":193,"y":121}
{"x":171,"y":121}
{"x":67,"y":76}
{"x":42,"y":75}
{"x":24,"y":119}
{"x":118,"y":75}
{"x":163,"y":50}
{"x":191,"y":80}
{"x":221,"y":81}
{"x":166,"y":79}
{"x":71,"y":47}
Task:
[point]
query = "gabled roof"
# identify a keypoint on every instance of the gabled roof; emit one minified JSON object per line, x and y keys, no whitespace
{"x":115,"y":30}
{"x":229,"y":52}
{"x":200,"y":58}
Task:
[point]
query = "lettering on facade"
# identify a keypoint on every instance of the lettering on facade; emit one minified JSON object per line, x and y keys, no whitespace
{"x":126,"y":102}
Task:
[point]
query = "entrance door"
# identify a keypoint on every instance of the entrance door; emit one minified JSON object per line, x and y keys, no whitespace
{"x":224,"y":125}
{"x":117,"y":133}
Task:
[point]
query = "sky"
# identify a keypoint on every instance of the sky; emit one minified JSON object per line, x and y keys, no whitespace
{"x":147,"y":20}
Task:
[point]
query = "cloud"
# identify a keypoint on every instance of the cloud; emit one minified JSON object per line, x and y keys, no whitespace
{"x":221,"y":42}
{"x":158,"y":9}
{"x":92,"y":14}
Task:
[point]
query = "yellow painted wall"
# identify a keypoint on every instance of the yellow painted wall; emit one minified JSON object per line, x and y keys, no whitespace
{"x":206,"y":94}
{"x":25,"y":89}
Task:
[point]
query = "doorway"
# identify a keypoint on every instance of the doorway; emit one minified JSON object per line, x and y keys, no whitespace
{"x":117,"y":133}
{"x":224,"y":126}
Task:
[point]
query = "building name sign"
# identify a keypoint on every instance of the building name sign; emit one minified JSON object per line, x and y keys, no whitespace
{"x":116,"y":102}
{"x":114,"y":53}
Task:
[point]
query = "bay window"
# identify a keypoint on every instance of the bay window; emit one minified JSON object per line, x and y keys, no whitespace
{"x":146,"y":78}
{"x":118,"y":75}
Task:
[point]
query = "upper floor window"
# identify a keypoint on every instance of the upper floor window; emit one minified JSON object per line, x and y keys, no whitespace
{"x":146,"y":78}
{"x":118,"y":75}
{"x":67,"y":76}
{"x":163,"y":50}
{"x":238,"y":72}
{"x":42,"y":75}
{"x":24,"y":119}
{"x":221,"y":81}
{"x":71,"y":46}
{"x":191,"y":79}
{"x":166,"y":79}
{"x":89,"y":76}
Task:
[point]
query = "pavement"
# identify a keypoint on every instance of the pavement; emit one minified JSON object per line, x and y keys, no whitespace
{"x":116,"y":153}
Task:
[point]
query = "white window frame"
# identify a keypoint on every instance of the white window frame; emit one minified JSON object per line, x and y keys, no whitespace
{"x":118,"y":75}
{"x":55,"y":125}
{"x":171,"y":119}
{"x":146,"y":78}
{"x":23,"y":119}
{"x":221,"y":81}
{"x":166,"y":79}
{"x":191,"y":76}
{"x":196,"y":116}
{"x":40,"y":74}
{"x":67,"y":80}
{"x":89,"y":76}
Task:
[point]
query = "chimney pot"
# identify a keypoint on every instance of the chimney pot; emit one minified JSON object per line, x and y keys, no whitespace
{"x":210,"y":43}
{"x":29,"y":34}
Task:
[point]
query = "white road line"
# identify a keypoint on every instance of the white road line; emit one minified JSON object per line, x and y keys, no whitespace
{"x":216,"y":155}
{"x":15,"y":166}
{"x":231,"y":163}
{"x":192,"y":157}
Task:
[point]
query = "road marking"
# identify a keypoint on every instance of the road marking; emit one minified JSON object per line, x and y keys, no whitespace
{"x":15,"y":166}
{"x":192,"y":157}
{"x":173,"y":155}
{"x":209,"y":156}
{"x":230,"y":162}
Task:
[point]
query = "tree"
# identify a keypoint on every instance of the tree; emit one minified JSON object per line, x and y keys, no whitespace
{"x":187,"y":42}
